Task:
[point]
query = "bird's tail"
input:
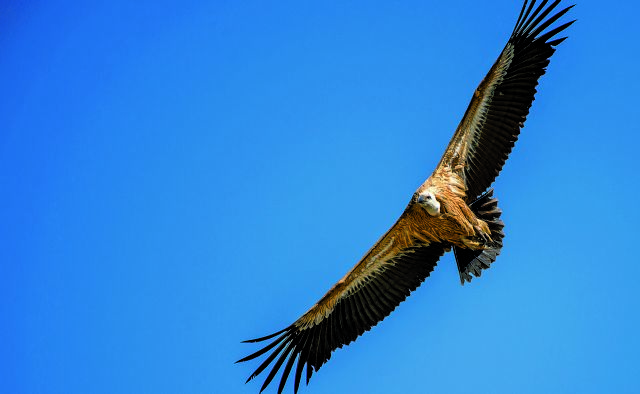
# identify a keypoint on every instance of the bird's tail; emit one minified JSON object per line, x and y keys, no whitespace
{"x":474,"y":261}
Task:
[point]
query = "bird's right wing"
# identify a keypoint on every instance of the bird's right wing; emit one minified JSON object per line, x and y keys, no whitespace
{"x":396,"y":265}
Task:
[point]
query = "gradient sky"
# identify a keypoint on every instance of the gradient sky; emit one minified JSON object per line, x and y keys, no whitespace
{"x":176,"y":177}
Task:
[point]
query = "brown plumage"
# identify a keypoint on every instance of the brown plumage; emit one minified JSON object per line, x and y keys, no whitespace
{"x":452,"y":209}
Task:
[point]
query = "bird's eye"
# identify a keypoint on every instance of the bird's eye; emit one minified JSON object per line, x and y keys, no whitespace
{"x":428,"y":196}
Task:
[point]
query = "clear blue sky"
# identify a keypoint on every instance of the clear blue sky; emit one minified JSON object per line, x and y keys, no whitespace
{"x":176,"y":177}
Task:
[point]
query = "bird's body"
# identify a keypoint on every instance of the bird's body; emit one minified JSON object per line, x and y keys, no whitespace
{"x":452,"y":209}
{"x":453,"y":222}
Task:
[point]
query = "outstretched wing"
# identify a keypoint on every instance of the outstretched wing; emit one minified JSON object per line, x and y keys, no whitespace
{"x":500,"y":105}
{"x":396,"y":265}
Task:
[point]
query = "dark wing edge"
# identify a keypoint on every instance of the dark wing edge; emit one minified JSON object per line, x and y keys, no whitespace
{"x":355,"y":312}
{"x":500,"y":105}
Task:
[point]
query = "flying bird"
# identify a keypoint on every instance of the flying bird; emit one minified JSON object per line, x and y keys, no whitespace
{"x":454,"y":209}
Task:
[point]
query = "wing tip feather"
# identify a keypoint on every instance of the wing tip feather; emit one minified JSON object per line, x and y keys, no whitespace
{"x":266,"y":337}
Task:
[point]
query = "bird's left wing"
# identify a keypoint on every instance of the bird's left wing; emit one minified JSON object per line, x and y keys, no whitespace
{"x":396,"y":265}
{"x":500,"y":105}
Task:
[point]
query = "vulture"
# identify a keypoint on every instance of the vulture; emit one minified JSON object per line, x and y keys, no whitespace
{"x":454,"y":209}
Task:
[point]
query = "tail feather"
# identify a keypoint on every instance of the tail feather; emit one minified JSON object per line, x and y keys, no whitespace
{"x":474,"y":261}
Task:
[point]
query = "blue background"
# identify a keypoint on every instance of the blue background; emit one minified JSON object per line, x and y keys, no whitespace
{"x":176,"y":177}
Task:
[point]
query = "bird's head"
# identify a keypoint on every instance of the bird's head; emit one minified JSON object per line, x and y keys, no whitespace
{"x":428,"y":200}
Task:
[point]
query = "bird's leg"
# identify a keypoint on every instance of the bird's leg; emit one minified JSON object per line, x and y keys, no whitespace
{"x":482,"y":233}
